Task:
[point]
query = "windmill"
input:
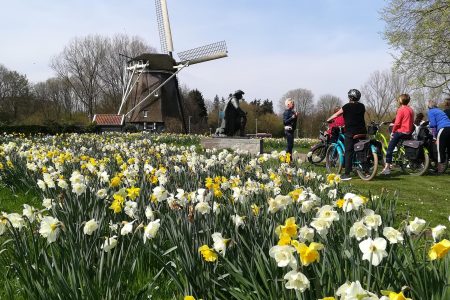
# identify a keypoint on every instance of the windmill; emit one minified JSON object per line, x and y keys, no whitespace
{"x":151,"y":98}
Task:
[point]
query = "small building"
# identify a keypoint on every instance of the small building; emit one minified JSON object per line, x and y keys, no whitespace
{"x":109,"y":122}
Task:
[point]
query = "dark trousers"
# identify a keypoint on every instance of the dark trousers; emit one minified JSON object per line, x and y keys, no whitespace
{"x":290,"y":141}
{"x":393,"y":143}
{"x":349,"y":142}
{"x":443,"y":144}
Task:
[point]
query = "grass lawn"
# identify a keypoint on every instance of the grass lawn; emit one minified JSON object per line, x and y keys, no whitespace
{"x":426,"y":197}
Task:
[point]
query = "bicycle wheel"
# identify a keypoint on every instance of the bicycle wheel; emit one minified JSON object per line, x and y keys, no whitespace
{"x":333,"y":160}
{"x":415,"y":167}
{"x":318,"y":154}
{"x":367,"y":170}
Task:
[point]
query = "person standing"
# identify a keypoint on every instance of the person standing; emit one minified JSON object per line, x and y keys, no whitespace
{"x":402,"y":129}
{"x":439,"y":121}
{"x":355,"y":124}
{"x":290,"y":124}
{"x":447,"y":107}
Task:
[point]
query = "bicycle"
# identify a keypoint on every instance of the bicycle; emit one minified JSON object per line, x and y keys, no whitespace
{"x":410,"y":155}
{"x":424,"y":134}
{"x":365,"y":157}
{"x":318,"y":151}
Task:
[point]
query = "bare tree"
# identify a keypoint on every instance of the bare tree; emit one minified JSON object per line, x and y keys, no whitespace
{"x":56,"y":98}
{"x":304,"y":104}
{"x":112,"y":73}
{"x":80,"y":65}
{"x":327,"y":104}
{"x":381,"y":91}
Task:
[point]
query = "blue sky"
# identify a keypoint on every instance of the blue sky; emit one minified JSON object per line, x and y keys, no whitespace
{"x":327,"y":46}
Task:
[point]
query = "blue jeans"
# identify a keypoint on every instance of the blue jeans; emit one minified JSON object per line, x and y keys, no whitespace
{"x":393,"y":143}
{"x":290,"y":141}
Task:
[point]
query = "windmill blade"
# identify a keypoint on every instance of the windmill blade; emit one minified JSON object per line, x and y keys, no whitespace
{"x":165,"y":34}
{"x":203,"y":53}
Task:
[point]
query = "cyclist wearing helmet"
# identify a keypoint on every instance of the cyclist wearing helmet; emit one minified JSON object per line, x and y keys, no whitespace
{"x":353,"y":113}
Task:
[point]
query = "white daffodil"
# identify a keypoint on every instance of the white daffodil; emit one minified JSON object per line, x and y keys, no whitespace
{"x":238,"y":221}
{"x":393,"y":235}
{"x":305,"y":234}
{"x":354,"y":291}
{"x":373,"y":250}
{"x":321,"y":226}
{"x":220,"y":244}
{"x":49,"y":228}
{"x":78,"y":188}
{"x":41,"y":184}
{"x":29,"y":212}
{"x":437,"y":231}
{"x":160,"y":193}
{"x":371,"y":219}
{"x":352,"y":202}
{"x":283,"y":255}
{"x":359,"y":230}
{"x":90,"y":227}
{"x":149,"y":213}
{"x":151,"y":230}
{"x":416,"y":226}
{"x":63,"y":184}
{"x":307,"y":206}
{"x":297,"y":281}
{"x":130,"y":208}
{"x":16,"y":220}
{"x":110,"y":243}
{"x":47,"y":203}
{"x":127,"y":228}
{"x":203,"y":207}
{"x":326,"y":212}
{"x":101,"y":193}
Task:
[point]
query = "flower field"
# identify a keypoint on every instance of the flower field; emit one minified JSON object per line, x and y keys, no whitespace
{"x":139,"y":216}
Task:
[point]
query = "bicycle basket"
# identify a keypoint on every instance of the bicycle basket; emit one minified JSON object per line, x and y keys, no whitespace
{"x":413,"y":149}
{"x":362,"y":149}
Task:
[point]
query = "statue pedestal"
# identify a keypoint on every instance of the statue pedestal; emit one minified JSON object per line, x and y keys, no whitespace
{"x":253,"y":146}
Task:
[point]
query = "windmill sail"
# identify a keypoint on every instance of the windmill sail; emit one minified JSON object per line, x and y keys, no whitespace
{"x":204,"y":53}
{"x":165,"y":34}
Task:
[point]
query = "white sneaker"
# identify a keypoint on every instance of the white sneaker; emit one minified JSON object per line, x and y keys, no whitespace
{"x":385,"y":172}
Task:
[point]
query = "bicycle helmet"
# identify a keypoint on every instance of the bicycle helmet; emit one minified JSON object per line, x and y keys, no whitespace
{"x":354,"y":95}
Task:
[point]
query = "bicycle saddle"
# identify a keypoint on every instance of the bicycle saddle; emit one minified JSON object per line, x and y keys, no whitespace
{"x":359,"y":136}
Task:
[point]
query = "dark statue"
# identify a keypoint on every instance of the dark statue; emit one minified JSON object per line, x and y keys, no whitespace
{"x":234,"y":119}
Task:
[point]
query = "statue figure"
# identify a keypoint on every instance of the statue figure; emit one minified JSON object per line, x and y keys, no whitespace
{"x":235,"y":118}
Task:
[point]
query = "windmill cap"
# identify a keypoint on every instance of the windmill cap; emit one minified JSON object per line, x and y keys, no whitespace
{"x":239,"y":92}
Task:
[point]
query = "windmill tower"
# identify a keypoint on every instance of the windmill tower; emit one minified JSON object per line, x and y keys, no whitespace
{"x":152,"y":99}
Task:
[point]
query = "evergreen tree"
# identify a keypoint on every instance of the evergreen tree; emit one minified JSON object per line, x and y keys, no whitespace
{"x":216,"y":103}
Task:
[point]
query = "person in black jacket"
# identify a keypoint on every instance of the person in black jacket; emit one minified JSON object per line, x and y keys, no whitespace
{"x":290,"y":124}
{"x":353,"y":113}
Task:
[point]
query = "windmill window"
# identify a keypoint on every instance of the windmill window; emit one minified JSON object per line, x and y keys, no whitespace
{"x":145,"y":113}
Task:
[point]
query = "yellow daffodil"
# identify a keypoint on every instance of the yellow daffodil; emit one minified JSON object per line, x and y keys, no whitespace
{"x":439,"y":250}
{"x":308,"y":254}
{"x":255,"y":209}
{"x":399,"y":296}
{"x":189,"y":298}
{"x":285,"y":239}
{"x":117,"y":203}
{"x":340,"y":203}
{"x":289,"y":228}
{"x":115,"y":181}
{"x":208,"y":254}
{"x":133,"y":192}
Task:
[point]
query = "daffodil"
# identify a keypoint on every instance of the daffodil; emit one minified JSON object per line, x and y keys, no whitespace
{"x":208,"y":254}
{"x":308,"y":254}
{"x":373,"y":250}
{"x":439,"y":250}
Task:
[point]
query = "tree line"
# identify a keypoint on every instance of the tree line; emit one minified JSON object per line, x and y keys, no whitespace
{"x":90,"y":78}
